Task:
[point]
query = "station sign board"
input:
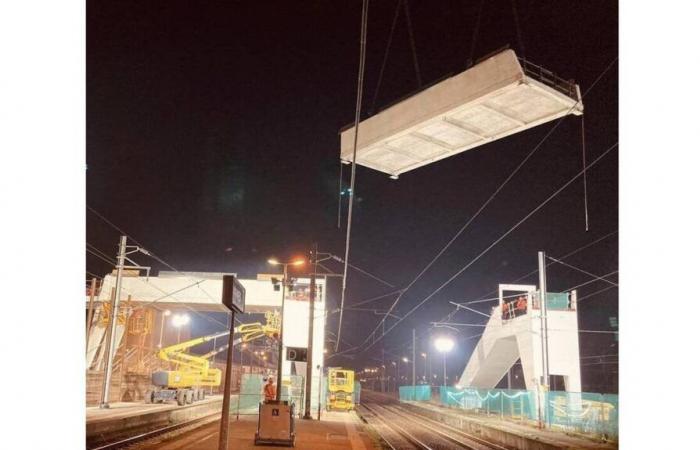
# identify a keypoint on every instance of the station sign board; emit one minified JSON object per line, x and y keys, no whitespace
{"x":298,"y":354}
{"x":233,"y":294}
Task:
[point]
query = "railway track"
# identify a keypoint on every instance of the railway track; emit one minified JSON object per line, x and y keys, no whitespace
{"x":403,"y":430}
{"x":164,"y":432}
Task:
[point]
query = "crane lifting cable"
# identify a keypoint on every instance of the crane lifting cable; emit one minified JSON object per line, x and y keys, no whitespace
{"x":358,"y":109}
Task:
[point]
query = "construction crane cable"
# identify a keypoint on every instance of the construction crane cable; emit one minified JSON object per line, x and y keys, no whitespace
{"x":475,"y":34}
{"x":517,"y":29}
{"x":413,"y":43}
{"x":386,"y":57}
{"x":358,"y":109}
{"x":583,"y":156}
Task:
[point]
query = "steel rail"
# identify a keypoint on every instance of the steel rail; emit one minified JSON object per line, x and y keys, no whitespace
{"x":397,"y":429}
{"x":132,"y":440}
{"x":416,"y":417}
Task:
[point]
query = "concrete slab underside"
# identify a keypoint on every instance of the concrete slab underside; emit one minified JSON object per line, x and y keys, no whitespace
{"x":489,"y":101}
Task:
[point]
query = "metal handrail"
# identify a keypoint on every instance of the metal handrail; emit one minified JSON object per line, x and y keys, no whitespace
{"x":566,"y":87}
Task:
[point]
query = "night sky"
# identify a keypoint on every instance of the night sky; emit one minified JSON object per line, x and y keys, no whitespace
{"x":212,"y":138}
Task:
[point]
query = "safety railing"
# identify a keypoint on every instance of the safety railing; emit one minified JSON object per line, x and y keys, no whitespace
{"x":539,"y":73}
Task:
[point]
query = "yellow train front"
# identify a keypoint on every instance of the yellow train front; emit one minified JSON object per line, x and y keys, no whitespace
{"x":341,"y":389}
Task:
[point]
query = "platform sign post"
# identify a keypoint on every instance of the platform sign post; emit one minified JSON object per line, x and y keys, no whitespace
{"x":233,"y":297}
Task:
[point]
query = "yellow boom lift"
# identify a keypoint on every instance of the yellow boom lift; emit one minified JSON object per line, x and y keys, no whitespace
{"x":184,"y":384}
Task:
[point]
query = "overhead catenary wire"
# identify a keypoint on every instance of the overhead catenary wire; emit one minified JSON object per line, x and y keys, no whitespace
{"x":590,"y":244}
{"x":451,"y":314}
{"x":358,"y":110}
{"x":503,"y":236}
{"x":493,"y":195}
{"x":592,"y":281}
{"x":165,"y":263}
{"x":596,"y":293}
{"x":582,"y":271}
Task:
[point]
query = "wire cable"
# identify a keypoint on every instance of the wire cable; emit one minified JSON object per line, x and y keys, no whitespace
{"x":582,"y":271}
{"x":413,"y":44}
{"x":358,"y":110}
{"x":493,"y":195}
{"x":514,"y":227}
{"x":386,"y":57}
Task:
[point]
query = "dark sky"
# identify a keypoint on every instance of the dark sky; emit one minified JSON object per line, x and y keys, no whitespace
{"x":212,"y":138}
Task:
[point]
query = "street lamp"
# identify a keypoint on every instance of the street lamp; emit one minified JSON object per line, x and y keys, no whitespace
{"x":444,"y":345}
{"x":165,"y":314}
{"x":178,"y":321}
{"x":275,"y":262}
{"x":425,"y":365}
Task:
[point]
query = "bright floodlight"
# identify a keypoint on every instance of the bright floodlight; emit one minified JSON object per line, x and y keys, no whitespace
{"x":180,"y":320}
{"x":273,"y":261}
{"x":444,"y":344}
{"x":166,"y":312}
{"x":298,"y":262}
{"x":405,"y":359}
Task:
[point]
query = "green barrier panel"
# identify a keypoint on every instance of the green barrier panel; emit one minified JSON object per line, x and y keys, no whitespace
{"x":556,"y":300}
{"x":583,"y":412}
{"x":251,"y":392}
{"x":419,"y":393}
{"x":513,"y":403}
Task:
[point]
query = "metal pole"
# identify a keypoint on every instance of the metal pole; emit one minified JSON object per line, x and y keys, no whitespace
{"x":444,"y":369}
{"x":398,"y":375}
{"x":414,"y":363}
{"x":162,"y":327}
{"x":240,"y":383}
{"x":280,"y":357}
{"x":383,"y":380}
{"x":543,"y":322}
{"x":223,"y":427}
{"x":91,"y":313}
{"x":320,"y":387}
{"x":310,"y":346}
{"x":112,"y":329}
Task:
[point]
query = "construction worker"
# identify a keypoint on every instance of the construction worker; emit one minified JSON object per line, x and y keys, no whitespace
{"x":504,"y":311}
{"x":521,"y":306}
{"x":270,"y":391}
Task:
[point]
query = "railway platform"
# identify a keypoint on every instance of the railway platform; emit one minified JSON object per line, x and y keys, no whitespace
{"x":123,"y":419}
{"x":335,"y":431}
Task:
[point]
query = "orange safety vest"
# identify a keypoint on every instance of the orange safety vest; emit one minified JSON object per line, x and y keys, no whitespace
{"x":270,"y":391}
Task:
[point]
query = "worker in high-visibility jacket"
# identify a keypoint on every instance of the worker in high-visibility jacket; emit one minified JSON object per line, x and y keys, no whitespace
{"x":521,"y":306}
{"x":269,"y":390}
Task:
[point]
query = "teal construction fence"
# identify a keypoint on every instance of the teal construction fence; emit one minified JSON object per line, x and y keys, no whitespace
{"x":414,"y":393}
{"x":581,"y":412}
